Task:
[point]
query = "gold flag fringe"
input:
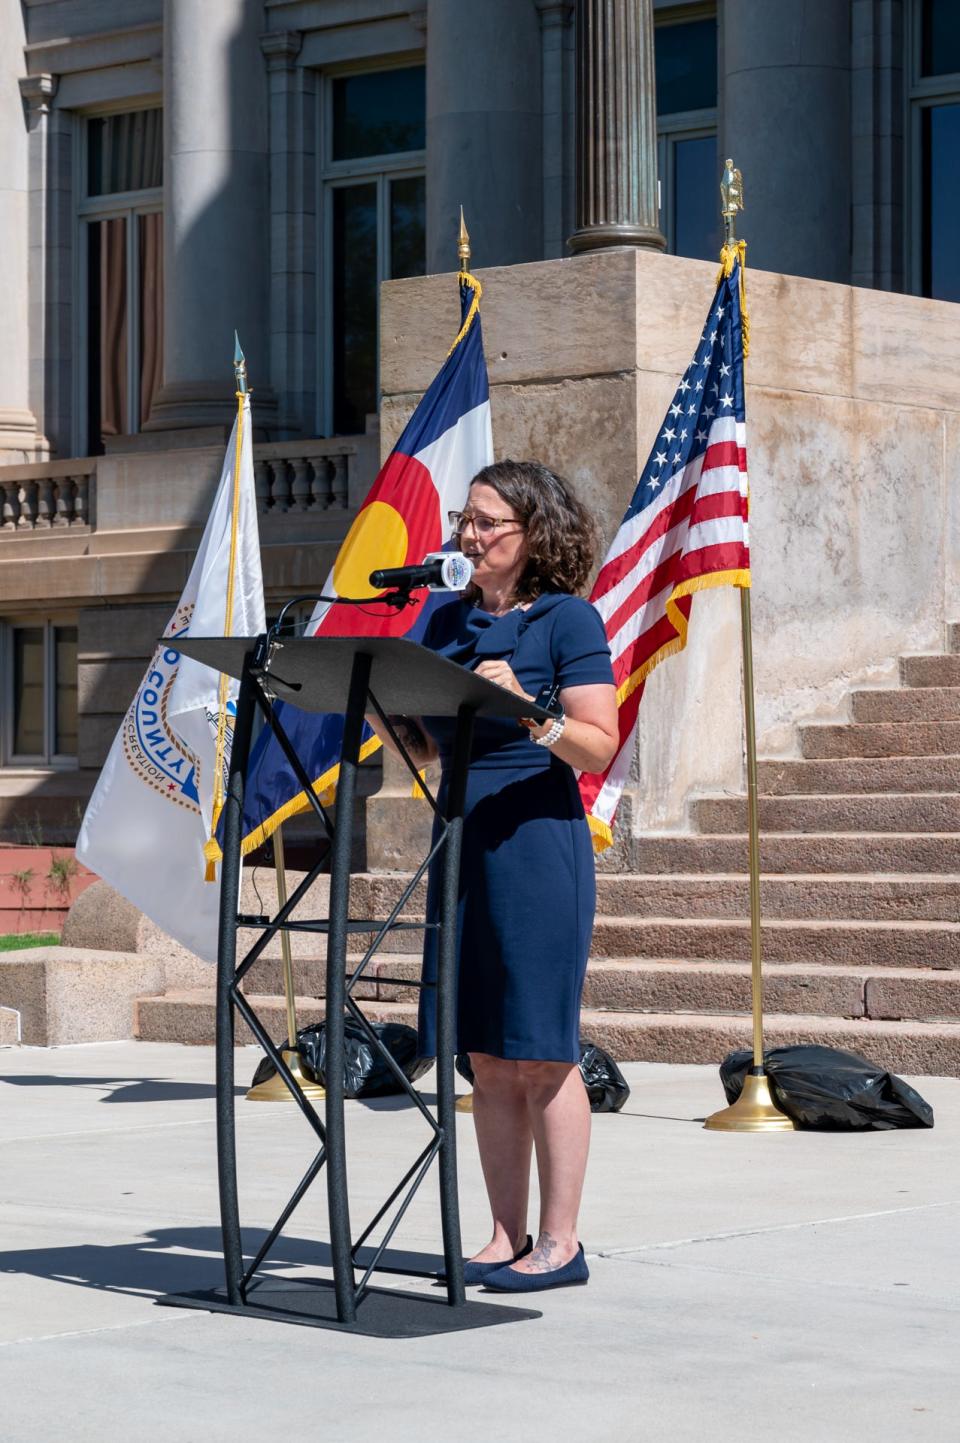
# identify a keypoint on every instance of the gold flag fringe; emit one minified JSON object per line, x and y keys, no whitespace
{"x":466,"y":279}
{"x":729,"y":255}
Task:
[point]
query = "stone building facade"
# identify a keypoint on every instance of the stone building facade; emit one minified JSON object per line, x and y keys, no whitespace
{"x":177,"y":169}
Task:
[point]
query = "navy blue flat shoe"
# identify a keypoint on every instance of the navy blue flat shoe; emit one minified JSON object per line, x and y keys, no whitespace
{"x":474,"y":1273}
{"x":507,"y":1280}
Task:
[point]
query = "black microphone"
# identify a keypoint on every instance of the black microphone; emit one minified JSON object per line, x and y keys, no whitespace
{"x":438,"y":571}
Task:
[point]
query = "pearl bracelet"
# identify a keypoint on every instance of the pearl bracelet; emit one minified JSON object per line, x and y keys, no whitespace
{"x":551,"y":737}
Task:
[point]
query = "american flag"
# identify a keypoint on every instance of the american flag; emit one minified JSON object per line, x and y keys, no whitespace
{"x":685,"y":529}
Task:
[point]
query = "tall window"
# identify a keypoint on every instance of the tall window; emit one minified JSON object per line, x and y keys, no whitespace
{"x":685,"y":48}
{"x":121,"y":250}
{"x":39,"y":661}
{"x":935,"y":146}
{"x":374,"y":195}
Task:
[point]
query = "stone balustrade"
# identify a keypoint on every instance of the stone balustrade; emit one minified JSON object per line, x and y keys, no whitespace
{"x":309,"y":476}
{"x":46,"y":495}
{"x":313,"y":476}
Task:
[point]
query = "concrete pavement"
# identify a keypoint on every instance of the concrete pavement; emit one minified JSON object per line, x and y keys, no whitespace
{"x":800,"y":1285}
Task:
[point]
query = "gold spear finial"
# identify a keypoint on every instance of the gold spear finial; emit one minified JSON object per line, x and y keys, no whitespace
{"x":463,"y":244}
{"x":239,"y":366}
{"x":731,"y":195}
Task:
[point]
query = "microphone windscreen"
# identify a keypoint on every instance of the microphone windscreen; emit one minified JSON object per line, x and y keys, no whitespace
{"x":457,"y":570}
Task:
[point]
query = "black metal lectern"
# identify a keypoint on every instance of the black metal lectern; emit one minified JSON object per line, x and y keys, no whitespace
{"x":353,"y":676}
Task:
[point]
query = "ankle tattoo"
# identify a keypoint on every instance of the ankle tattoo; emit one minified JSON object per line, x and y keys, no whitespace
{"x":541,"y":1258}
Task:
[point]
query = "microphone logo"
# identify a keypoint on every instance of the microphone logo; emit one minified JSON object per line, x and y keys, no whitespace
{"x":455,"y":570}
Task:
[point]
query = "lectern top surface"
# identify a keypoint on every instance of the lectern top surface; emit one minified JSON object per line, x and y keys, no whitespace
{"x":313,"y":673}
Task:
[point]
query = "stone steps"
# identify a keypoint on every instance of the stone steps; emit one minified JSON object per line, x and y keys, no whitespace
{"x":850,"y":943}
{"x":914,"y":1047}
{"x":788,"y":852}
{"x":860,"y":812}
{"x":935,"y":670}
{"x":906,"y":704}
{"x":919,"y":1048}
{"x":828,"y":775}
{"x":824,"y":896}
{"x":880,"y":739}
{"x":697,"y":985}
{"x":918,"y":897}
{"x":895,"y":941}
{"x":923,"y":995}
{"x":190,"y":1015}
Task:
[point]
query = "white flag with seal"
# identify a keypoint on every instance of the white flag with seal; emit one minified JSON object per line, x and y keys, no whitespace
{"x":153,"y":809}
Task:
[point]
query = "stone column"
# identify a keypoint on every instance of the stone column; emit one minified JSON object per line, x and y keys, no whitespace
{"x":785,"y":88}
{"x":18,"y":424}
{"x":216,"y":212}
{"x":557,"y":103}
{"x":484,"y":132}
{"x":616,"y":126}
{"x":878,"y":180}
{"x":50,"y":260}
{"x":293,"y":250}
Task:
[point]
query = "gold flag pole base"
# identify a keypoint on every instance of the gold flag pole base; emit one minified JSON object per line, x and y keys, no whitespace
{"x":753,"y":1111}
{"x":464,"y":1103}
{"x":275,"y":1088}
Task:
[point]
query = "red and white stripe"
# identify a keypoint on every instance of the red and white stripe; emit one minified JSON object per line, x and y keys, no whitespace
{"x":693,"y":534}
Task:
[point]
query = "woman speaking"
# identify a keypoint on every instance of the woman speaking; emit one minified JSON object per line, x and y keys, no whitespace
{"x":527,"y":890}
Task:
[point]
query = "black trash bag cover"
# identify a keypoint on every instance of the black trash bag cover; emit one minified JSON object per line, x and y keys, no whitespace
{"x":826,"y":1088}
{"x":365,"y":1073}
{"x":606,"y":1085}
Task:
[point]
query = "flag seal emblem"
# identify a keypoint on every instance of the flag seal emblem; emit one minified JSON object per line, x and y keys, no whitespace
{"x":155,"y":753}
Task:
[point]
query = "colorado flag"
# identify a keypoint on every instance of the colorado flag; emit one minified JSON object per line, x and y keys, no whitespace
{"x":447,"y":440}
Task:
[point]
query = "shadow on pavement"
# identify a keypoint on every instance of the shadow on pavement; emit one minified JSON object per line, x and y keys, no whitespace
{"x":125,"y":1089}
{"x":177,"y":1260}
{"x":658,"y":1116}
{"x":156,"y":1089}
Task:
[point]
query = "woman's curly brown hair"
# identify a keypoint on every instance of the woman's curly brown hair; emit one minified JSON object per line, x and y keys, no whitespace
{"x":561,"y":535}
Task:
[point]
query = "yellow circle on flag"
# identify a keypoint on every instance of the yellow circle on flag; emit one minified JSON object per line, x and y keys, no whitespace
{"x":377,"y":538}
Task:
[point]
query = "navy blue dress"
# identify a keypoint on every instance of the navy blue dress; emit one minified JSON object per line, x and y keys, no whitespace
{"x":527,"y":883}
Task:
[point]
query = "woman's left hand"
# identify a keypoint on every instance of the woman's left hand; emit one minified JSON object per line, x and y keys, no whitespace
{"x":501,"y":673}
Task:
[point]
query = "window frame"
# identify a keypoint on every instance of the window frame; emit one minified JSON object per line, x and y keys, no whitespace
{"x":691,"y":125}
{"x":922,"y":92}
{"x":682,"y":125}
{"x":339,"y":174}
{"x":125,"y":205}
{"x":48,"y":760}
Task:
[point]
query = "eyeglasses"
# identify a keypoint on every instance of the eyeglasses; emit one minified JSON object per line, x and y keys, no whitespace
{"x":483,"y":525}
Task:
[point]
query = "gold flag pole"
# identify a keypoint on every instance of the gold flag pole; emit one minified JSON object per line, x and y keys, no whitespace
{"x":464,"y":1103}
{"x":211,"y":849}
{"x":755,"y":1109}
{"x":275,"y":1088}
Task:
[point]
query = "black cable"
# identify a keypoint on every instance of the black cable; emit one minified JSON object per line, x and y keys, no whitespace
{"x":396,"y":601}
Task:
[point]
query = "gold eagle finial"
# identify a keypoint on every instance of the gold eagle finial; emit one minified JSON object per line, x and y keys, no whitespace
{"x":731,"y":194}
